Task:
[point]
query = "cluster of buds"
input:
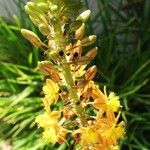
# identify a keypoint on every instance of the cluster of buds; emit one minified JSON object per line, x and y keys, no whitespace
{"x":74,"y":104}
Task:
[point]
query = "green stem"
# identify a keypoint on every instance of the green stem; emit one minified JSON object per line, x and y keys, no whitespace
{"x":73,"y":94}
{"x":59,"y":39}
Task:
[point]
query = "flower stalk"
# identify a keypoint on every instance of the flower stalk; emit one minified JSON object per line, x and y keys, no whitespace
{"x":86,"y":112}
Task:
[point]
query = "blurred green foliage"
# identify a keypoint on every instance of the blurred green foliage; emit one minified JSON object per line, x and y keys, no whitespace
{"x":123,"y":65}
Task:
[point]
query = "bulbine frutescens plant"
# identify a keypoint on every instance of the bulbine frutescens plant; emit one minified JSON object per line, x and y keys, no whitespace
{"x":74,"y":104}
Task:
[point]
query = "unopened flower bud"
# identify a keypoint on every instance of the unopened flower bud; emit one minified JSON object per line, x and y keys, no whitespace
{"x":88,"y":40}
{"x":31,"y":12}
{"x":90,"y":73}
{"x":54,"y":7}
{"x":34,"y":7}
{"x":36,"y":21}
{"x":32,"y":37}
{"x":80,"y":32}
{"x":92,"y":53}
{"x":84,"y":16}
{"x":44,"y":29}
{"x":75,"y":25}
{"x":49,"y":70}
{"x":83,"y":60}
{"x":44,"y":64}
{"x":43,"y":6}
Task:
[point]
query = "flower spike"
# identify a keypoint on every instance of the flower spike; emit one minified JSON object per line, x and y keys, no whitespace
{"x":69,"y":82}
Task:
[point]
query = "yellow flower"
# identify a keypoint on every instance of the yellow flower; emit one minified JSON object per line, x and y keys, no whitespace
{"x":104,"y":102}
{"x":50,"y":135}
{"x":46,"y":120}
{"x":51,"y":91}
{"x":111,"y":135}
{"x":114,"y":148}
{"x":109,"y":130}
{"x":53,"y":132}
{"x":88,"y":136}
{"x":113,"y":102}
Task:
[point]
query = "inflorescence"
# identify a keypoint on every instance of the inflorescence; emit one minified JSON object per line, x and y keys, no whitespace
{"x":74,"y":104}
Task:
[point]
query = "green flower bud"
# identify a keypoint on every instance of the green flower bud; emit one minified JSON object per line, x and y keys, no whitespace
{"x":54,"y":7}
{"x":88,"y":40}
{"x":32,"y":37}
{"x":35,"y":20}
{"x":44,"y":29}
{"x":43,"y":6}
{"x":32,"y":13}
{"x":34,"y":7}
{"x":84,"y":16}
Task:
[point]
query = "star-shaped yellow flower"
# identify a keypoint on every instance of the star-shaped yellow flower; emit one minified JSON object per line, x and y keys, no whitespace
{"x":51,"y":91}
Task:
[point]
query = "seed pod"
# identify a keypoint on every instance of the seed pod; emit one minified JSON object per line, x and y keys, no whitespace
{"x":90,"y":73}
{"x":80,"y":32}
{"x":88,"y":40}
{"x":32,"y":37}
{"x":44,"y":29}
{"x":84,"y":16}
{"x":92,"y":53}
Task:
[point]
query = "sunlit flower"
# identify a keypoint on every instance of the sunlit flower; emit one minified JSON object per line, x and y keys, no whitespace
{"x":51,"y":91}
{"x":88,"y":136}
{"x":113,"y":102}
{"x":53,"y":132}
{"x":46,"y":120}
{"x":50,"y":135}
{"x":104,"y":102}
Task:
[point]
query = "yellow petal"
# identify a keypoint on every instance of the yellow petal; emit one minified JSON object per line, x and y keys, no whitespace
{"x":113,"y":102}
{"x":46,"y":120}
{"x":51,"y":91}
{"x":50,"y":135}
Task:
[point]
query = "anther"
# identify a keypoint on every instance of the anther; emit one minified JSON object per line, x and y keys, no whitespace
{"x":78,"y":103}
{"x":61,"y":53}
{"x":76,"y":82}
{"x":68,"y":54}
{"x":75,"y":55}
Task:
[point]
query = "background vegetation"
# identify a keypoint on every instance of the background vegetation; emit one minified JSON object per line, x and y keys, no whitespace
{"x":123,"y":65}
